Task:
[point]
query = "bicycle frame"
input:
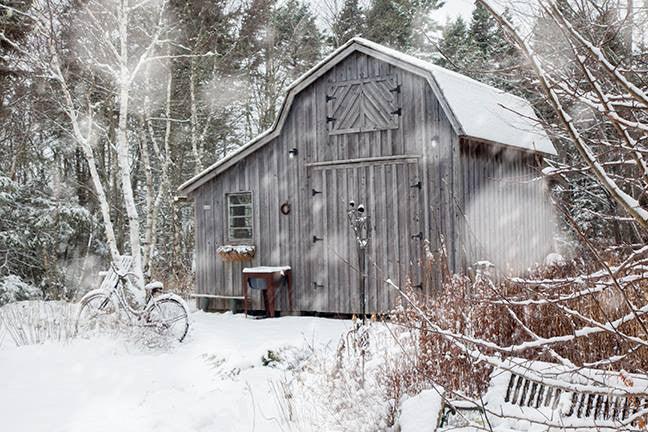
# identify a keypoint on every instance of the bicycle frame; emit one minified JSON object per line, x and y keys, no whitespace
{"x":118,"y":292}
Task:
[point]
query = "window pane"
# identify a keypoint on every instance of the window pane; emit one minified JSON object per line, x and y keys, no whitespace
{"x":240,"y":222}
{"x":240,"y":198}
{"x":244,"y":210}
{"x":241,"y":233}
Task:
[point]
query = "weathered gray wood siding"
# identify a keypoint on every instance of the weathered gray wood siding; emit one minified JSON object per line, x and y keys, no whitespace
{"x":504,"y":203}
{"x":378,"y":168}
{"x":352,"y":166}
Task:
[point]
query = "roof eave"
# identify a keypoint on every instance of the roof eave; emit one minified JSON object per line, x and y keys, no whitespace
{"x":510,"y":146}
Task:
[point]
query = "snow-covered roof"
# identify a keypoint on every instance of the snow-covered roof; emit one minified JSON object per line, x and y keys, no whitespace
{"x":481,"y":111}
{"x":475,"y":110}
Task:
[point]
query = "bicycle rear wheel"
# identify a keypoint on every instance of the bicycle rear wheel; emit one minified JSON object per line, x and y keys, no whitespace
{"x":169,"y":315}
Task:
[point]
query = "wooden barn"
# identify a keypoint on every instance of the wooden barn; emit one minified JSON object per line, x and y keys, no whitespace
{"x":415,"y":143}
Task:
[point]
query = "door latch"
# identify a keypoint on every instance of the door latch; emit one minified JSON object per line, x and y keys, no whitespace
{"x":316,"y":239}
{"x":417,"y":185}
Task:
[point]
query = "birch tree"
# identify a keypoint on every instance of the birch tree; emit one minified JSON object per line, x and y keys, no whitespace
{"x":116,"y":40}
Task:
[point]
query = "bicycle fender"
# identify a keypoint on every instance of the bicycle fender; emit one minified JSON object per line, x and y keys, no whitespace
{"x":169,"y":296}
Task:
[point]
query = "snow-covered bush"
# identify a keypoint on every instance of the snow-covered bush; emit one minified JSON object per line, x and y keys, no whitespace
{"x":337,"y":389}
{"x":344,"y":388}
{"x":34,"y":322}
{"x":13,"y":289}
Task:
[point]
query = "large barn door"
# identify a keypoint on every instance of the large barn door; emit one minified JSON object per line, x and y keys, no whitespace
{"x":390,"y":191}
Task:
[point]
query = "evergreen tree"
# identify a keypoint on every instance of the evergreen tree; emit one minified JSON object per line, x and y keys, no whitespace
{"x":348,"y":23}
{"x":589,"y":202}
{"x":396,"y":23}
{"x":453,"y":44}
{"x":584,"y":198}
{"x":39,"y":229}
{"x":279,"y":43}
{"x":482,"y":51}
{"x":14,"y":26}
{"x":296,"y":36}
{"x":482,"y":30}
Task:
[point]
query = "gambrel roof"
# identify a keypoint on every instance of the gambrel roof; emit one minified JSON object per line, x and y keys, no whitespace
{"x":475,"y":110}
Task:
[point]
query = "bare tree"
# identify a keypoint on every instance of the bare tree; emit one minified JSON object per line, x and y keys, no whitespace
{"x":118,"y":41}
{"x":595,"y":83}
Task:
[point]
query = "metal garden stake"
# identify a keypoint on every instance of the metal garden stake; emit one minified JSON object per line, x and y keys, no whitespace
{"x":359,"y":221}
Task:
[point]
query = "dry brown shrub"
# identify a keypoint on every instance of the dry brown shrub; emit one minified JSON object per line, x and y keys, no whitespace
{"x":472,"y":305}
{"x":179,"y":280}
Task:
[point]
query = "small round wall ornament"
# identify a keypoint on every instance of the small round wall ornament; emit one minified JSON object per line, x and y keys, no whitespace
{"x":285,"y":208}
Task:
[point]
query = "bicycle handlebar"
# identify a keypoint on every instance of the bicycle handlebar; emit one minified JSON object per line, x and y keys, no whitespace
{"x":121,"y":275}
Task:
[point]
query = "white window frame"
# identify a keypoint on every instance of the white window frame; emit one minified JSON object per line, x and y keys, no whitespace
{"x":228,"y":217}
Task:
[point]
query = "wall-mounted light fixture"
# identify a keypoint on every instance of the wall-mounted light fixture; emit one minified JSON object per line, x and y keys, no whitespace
{"x":292,"y":153}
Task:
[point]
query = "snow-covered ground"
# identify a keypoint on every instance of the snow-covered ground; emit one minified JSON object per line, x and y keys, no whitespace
{"x":214,"y":382}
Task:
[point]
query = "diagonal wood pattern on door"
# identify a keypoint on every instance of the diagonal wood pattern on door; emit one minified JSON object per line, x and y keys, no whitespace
{"x":385,"y":188}
{"x":363,"y":105}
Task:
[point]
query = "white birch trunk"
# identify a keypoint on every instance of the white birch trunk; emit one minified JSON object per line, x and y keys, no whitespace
{"x":86,"y":148}
{"x":153,"y":205}
{"x":150,"y":210}
{"x":123,"y":159}
{"x":194,"y":118}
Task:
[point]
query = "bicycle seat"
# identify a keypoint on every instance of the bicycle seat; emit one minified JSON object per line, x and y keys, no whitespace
{"x":153,"y":286}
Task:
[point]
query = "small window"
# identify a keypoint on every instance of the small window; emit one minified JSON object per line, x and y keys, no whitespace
{"x":239,"y":216}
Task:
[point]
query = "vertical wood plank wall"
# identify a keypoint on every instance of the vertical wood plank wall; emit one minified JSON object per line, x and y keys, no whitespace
{"x":448,"y":179}
{"x":384,"y":187}
{"x":514,"y":202}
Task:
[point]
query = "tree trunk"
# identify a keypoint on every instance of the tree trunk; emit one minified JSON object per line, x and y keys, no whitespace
{"x":150,"y":200}
{"x":123,"y":148}
{"x":194,"y":118}
{"x":88,"y":152}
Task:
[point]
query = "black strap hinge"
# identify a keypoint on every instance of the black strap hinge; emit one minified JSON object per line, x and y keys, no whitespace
{"x":330,"y":119}
{"x":330,"y":98}
{"x":417,"y":185}
{"x":418,"y":236}
{"x":315,"y":192}
{"x":316,"y":239}
{"x":396,"y":112}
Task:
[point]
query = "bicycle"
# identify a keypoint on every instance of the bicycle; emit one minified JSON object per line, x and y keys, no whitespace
{"x":101,"y":309}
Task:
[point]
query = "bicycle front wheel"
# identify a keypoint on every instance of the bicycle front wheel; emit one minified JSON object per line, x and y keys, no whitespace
{"x":169,"y":316}
{"x":97,"y":314}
